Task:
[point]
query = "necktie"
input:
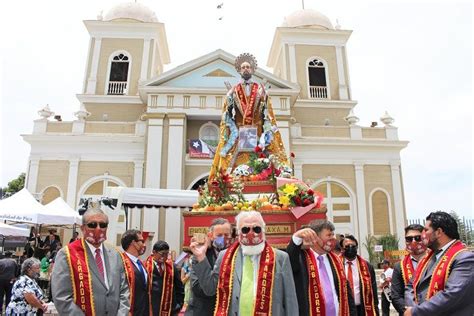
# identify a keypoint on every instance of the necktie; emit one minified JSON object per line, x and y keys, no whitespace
{"x":327,"y":289}
{"x":100,"y":263}
{"x":246,"y":290}
{"x":350,"y":277}
{"x":140,"y":267}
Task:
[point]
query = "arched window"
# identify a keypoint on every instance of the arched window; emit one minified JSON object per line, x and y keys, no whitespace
{"x":339,"y":206}
{"x":317,"y":79}
{"x":119,"y":73}
{"x":209,"y":133}
{"x":50,"y":194}
{"x":380,"y":210}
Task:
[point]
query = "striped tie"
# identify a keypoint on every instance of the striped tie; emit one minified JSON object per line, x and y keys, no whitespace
{"x":100,"y":263}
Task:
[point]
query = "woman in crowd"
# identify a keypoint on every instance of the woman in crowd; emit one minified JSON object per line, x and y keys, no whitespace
{"x":27,"y":296}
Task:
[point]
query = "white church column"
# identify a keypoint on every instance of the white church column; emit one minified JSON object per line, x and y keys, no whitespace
{"x":173,"y":228}
{"x":361,"y":214}
{"x":284,"y":128}
{"x":72,"y":182}
{"x":398,"y":203}
{"x":138,"y":174}
{"x":32,"y":178}
{"x":175,"y":151}
{"x":343,"y":93}
{"x":145,"y":58}
{"x":292,"y":61}
{"x":92,"y":79}
{"x":153,"y":152}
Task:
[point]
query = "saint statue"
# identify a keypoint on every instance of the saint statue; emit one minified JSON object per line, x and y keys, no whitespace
{"x":248,"y":125}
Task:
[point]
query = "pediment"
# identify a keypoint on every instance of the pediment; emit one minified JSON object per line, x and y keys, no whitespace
{"x":211,"y":71}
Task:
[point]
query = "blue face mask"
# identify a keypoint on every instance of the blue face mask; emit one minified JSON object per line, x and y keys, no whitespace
{"x":220,"y":243}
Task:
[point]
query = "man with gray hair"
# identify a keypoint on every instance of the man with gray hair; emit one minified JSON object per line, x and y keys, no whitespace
{"x":219,"y":237}
{"x":322,"y":285}
{"x":250,"y":277}
{"x":89,"y":277}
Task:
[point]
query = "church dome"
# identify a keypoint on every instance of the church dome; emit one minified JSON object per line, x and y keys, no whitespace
{"x":131,"y":10}
{"x":308,"y":18}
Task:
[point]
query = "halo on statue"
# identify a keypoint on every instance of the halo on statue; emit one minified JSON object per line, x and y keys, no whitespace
{"x":245,"y":57}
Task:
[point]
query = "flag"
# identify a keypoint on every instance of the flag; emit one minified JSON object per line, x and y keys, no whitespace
{"x":200,"y":149}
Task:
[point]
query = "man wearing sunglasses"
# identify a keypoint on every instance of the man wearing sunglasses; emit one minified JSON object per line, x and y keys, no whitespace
{"x":322,"y":287}
{"x":134,"y":245}
{"x":361,"y":276}
{"x":405,"y":270}
{"x":250,"y":277}
{"x":219,"y":238}
{"x":88,"y":276}
{"x":444,"y":282}
{"x":165,"y":287}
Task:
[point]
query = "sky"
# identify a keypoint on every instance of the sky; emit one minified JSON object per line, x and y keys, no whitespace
{"x":410,"y":58}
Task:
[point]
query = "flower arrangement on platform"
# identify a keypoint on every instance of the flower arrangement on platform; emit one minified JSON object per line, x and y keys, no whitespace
{"x":298,"y":196}
{"x":223,"y":189}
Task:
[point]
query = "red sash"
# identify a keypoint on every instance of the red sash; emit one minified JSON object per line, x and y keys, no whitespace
{"x":316,"y":294}
{"x":247,"y":103}
{"x":81,"y":281}
{"x":364,"y":275}
{"x":408,"y":271}
{"x":441,"y":271}
{"x":130,"y":274}
{"x":166,"y":306}
{"x":266,"y":274}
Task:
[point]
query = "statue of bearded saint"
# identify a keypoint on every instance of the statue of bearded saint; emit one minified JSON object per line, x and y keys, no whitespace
{"x":248,"y":122}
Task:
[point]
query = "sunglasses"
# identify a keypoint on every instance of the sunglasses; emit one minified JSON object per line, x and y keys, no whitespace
{"x":410,"y":238}
{"x":246,"y":229}
{"x":94,"y":225}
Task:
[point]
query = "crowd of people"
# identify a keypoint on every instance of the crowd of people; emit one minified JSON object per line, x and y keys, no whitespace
{"x":243,"y":274}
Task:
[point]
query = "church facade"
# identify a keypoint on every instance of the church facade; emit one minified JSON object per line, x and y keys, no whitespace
{"x":144,"y":128}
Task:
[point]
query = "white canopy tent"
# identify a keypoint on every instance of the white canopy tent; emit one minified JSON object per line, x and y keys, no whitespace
{"x":9,"y":230}
{"x":22,"y":207}
{"x":152,"y":197}
{"x":60,"y":208}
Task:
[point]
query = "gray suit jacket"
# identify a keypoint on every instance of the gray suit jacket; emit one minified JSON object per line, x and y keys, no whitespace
{"x":457,"y":296}
{"x":284,"y":300}
{"x":112,"y":301}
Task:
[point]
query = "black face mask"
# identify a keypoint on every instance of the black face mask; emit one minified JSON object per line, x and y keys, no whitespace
{"x":350,"y":252}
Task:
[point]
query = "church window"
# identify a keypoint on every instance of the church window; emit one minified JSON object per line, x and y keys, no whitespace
{"x":380,"y":213}
{"x":50,"y":194}
{"x":209,"y":133}
{"x":339,"y":205}
{"x":119,"y":72}
{"x":317,"y":77}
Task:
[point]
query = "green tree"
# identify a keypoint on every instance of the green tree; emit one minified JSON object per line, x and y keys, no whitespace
{"x":14,"y":186}
{"x":464,"y":231}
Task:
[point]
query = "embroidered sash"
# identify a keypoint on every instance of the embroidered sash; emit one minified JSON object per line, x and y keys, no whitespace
{"x":130,"y":274}
{"x":368,"y":294}
{"x":266,"y":275}
{"x":408,"y":271}
{"x":247,"y":103}
{"x":316,"y":294}
{"x":166,"y":307}
{"x":441,"y":271}
{"x":81,"y":280}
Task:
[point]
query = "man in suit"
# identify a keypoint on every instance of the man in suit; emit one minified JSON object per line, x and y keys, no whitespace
{"x":445,"y":278}
{"x":134,"y":245}
{"x":361,"y":276}
{"x":250,"y":277}
{"x":405,"y":270}
{"x":8,"y":273}
{"x":220,"y":238}
{"x":165,"y":282}
{"x":318,"y":271}
{"x":89,"y":261}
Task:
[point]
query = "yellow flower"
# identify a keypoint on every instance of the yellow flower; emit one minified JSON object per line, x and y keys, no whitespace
{"x":290,"y":189}
{"x":284,"y":200}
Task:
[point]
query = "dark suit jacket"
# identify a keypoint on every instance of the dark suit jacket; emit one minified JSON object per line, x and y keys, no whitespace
{"x":402,"y":295}
{"x":457,"y":296}
{"x":200,"y":304}
{"x":157,"y":290}
{"x":300,"y":275}
{"x":141,"y":305}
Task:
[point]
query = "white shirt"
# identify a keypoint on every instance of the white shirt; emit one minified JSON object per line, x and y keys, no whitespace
{"x":443,"y":249}
{"x":101,"y":247}
{"x":355,"y":278}
{"x":298,"y":241}
{"x":134,"y":260}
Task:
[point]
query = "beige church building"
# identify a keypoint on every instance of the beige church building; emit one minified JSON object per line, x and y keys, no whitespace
{"x":135,"y":123}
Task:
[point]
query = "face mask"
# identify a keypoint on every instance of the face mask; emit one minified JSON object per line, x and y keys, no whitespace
{"x":416,"y":248}
{"x":328,"y":245}
{"x":95,"y":236}
{"x":251,"y":238}
{"x":221,"y":243}
{"x":350,"y":252}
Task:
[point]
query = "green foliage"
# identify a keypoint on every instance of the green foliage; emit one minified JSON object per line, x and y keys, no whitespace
{"x":370,"y":242}
{"x":14,"y":186}
{"x":465,"y":231}
{"x":388,"y":242}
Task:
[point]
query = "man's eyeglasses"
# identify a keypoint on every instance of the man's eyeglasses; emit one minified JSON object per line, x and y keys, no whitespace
{"x":94,"y":225}
{"x":246,"y":229}
{"x":410,"y":238}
